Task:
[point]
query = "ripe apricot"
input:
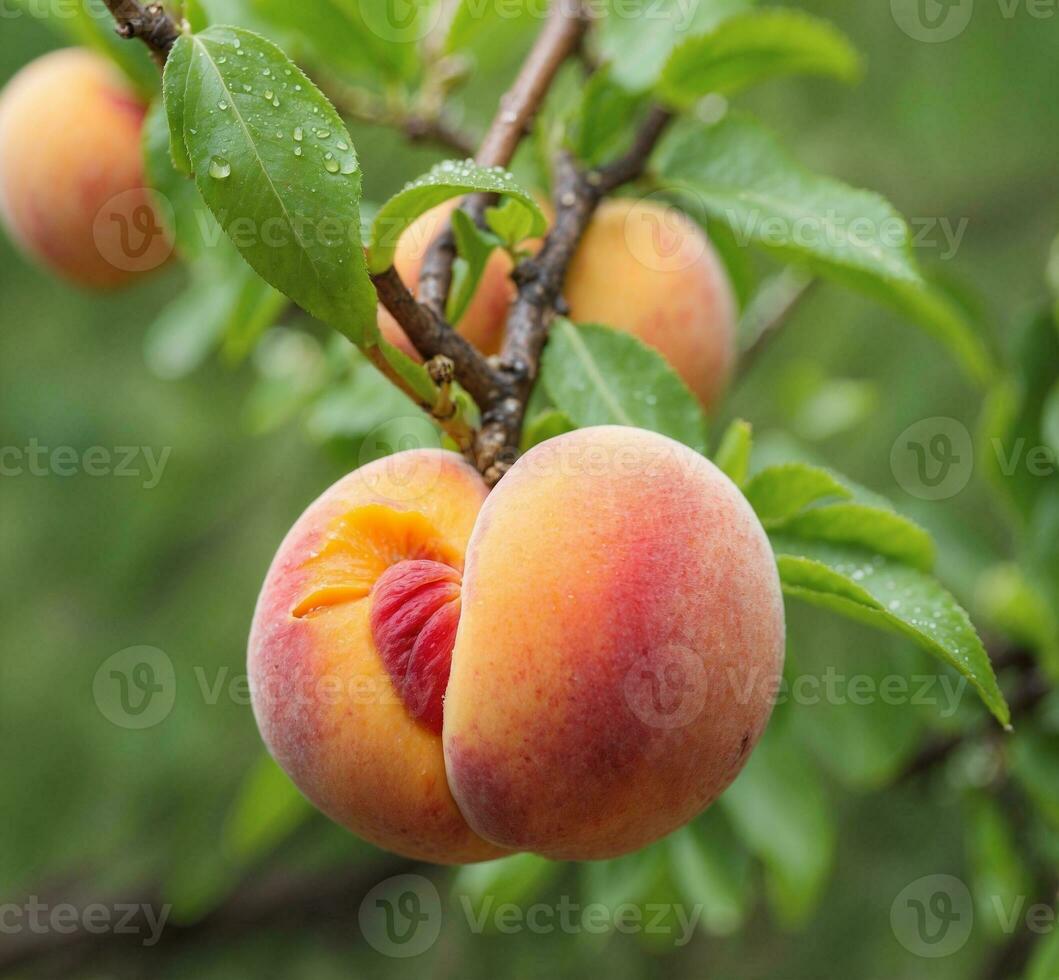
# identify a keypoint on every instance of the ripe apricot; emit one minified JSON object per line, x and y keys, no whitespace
{"x":72,"y":187}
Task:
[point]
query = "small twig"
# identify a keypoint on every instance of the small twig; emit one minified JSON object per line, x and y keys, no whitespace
{"x":560,"y":38}
{"x":540,"y":282}
{"x":151,"y":24}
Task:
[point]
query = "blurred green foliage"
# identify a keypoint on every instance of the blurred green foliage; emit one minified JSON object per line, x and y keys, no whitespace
{"x":963,"y":132}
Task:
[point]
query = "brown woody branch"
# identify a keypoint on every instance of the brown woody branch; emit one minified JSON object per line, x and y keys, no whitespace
{"x":560,"y":38}
{"x":540,"y":282}
{"x":151,"y":24}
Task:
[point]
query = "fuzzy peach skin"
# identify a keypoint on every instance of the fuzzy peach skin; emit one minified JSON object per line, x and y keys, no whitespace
{"x":324,"y":700}
{"x":619,"y":647}
{"x":70,"y":130}
{"x":650,"y":271}
{"x":483,"y":322}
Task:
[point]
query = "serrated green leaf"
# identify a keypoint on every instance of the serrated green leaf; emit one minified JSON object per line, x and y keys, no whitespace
{"x":733,"y":453}
{"x":778,"y":807}
{"x":240,"y":105}
{"x":510,"y":222}
{"x":780,"y":492}
{"x":883,"y":532}
{"x":599,"y":376}
{"x":738,"y":172}
{"x":752,"y":47}
{"x":889,"y":595}
{"x":449,"y":179}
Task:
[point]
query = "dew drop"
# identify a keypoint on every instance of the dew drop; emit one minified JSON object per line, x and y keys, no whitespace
{"x":222,"y":105}
{"x":220,"y":169}
{"x":297,"y":151}
{"x":349,"y":167}
{"x":342,"y":145}
{"x":324,"y":133}
{"x":237,"y":44}
{"x":275,"y":102}
{"x":269,"y":94}
{"x":298,"y":134}
{"x":331,"y":166}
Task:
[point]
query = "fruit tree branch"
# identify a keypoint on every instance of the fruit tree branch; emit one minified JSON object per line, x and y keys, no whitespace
{"x":560,"y":38}
{"x":151,"y":24}
{"x":540,"y":281}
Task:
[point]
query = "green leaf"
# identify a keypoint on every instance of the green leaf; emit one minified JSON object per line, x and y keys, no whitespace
{"x":778,"y":807}
{"x":778,"y":493}
{"x":547,"y":425}
{"x":599,"y":376}
{"x":359,"y":38}
{"x":240,"y":106}
{"x":484,"y":887}
{"x":449,"y":179}
{"x":1045,"y":962}
{"x":881,"y":531}
{"x":623,"y":880}
{"x":510,"y":222}
{"x":267,"y":808}
{"x":753,"y":47}
{"x":1001,"y":879}
{"x":637,"y":36}
{"x":473,"y":248}
{"x":1014,"y":604}
{"x":738,"y":172}
{"x":604,"y":118}
{"x":889,"y":595}
{"x":733,"y":454}
{"x":712,"y":870}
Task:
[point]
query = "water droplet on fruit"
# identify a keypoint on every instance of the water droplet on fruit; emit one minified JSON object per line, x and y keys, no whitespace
{"x":220,"y":169}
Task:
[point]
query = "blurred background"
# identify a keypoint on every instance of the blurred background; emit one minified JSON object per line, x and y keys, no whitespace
{"x":963,"y":138}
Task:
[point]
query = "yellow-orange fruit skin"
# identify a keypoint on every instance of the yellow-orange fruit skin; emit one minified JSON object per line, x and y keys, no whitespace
{"x":483,"y":322}
{"x":650,"y":271}
{"x":621,"y":638}
{"x":70,"y":130}
{"x":322,"y":697}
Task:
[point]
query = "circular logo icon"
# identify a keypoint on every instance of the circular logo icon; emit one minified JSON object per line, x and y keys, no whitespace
{"x":656,"y":233}
{"x":669,"y":690}
{"x":933,"y":916}
{"x":135,"y":687}
{"x":401,"y":20}
{"x":933,"y":459}
{"x":401,"y":916}
{"x":932,"y":21}
{"x":130,"y":230}
{"x":401,"y":475}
